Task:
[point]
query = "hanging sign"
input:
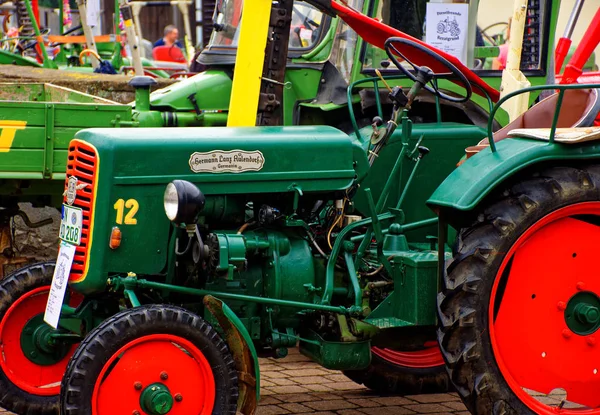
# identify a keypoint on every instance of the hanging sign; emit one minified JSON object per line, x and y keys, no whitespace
{"x":447,"y":28}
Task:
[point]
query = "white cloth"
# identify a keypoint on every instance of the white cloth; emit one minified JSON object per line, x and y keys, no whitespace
{"x":93,"y":13}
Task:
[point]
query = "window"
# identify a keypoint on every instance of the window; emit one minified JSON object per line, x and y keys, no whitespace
{"x":475,"y":32}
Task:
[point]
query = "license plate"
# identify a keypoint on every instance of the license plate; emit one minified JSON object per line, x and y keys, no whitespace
{"x":71,"y":225}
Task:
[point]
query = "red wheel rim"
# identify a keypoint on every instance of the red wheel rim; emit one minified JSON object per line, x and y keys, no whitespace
{"x":143,"y":361}
{"x":534,"y":348}
{"x":429,"y":356}
{"x":27,"y":375}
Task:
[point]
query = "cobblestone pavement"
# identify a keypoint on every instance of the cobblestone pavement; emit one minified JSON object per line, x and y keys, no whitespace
{"x":296,"y":385}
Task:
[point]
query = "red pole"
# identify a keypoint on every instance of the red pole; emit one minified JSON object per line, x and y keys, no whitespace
{"x":590,"y":40}
{"x":36,"y":11}
{"x":564,"y":43}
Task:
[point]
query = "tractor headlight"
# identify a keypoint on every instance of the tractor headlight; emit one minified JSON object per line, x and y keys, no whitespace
{"x":183,"y":202}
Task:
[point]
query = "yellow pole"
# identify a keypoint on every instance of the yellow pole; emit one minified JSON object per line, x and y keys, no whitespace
{"x":245,"y":91}
{"x":187,"y":38}
{"x":512,"y":77}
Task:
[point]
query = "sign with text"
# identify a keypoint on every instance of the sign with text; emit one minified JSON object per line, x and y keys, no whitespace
{"x":447,"y":28}
{"x":60,"y":280}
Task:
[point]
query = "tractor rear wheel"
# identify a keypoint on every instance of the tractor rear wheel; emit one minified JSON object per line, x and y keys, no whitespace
{"x":30,"y":375}
{"x":404,"y":372}
{"x":519,"y":311}
{"x":155,"y":359}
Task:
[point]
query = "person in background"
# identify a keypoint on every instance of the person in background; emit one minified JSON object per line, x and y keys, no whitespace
{"x":170,"y":38}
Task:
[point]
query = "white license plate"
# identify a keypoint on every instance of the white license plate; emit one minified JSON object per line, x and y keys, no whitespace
{"x":71,"y":224}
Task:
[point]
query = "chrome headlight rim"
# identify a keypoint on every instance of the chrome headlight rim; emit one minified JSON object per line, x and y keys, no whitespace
{"x":183,"y":202}
{"x":171,"y":201}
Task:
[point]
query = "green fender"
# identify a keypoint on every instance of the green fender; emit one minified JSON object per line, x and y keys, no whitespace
{"x":467,"y":185}
{"x":243,"y":351}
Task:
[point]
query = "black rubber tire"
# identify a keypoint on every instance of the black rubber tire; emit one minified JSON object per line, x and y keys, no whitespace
{"x":12,"y":287}
{"x":105,"y":340}
{"x":388,"y":378}
{"x":463,"y":304}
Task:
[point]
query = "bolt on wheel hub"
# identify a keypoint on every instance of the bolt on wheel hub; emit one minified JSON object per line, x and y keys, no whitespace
{"x":582,"y":314}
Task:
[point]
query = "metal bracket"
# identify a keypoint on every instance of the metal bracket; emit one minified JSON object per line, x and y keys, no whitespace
{"x":49,"y":141}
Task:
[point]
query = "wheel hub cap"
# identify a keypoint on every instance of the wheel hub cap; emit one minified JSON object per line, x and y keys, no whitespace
{"x":156,"y":399}
{"x":583,"y":313}
{"x":38,"y":345}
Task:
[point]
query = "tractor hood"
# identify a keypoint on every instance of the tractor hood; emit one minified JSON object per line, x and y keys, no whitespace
{"x":210,"y":90}
{"x":133,"y":166}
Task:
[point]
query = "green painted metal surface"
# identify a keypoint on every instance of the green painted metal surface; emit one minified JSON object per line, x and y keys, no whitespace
{"x":289,"y":255}
{"x":176,"y":97}
{"x":336,"y":355}
{"x":411,"y":302}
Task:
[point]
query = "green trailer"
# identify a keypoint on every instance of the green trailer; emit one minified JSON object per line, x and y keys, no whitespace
{"x":46,"y":118}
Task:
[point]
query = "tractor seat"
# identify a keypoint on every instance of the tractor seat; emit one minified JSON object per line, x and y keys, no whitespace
{"x":579,"y":109}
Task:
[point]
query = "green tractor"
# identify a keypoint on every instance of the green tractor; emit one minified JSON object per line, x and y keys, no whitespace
{"x":273,"y":236}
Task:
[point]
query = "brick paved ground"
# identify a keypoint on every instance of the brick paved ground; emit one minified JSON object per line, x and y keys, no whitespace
{"x":296,"y":385}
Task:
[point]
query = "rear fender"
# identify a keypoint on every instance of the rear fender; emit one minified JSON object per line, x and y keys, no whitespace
{"x":466,"y":186}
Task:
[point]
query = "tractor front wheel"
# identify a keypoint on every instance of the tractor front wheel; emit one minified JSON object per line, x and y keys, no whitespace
{"x":404,"y":372}
{"x":520,"y":308}
{"x":151,"y":360}
{"x":30,"y":367}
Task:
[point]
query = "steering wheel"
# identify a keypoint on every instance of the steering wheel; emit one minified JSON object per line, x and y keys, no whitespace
{"x":502,"y":32}
{"x":31,"y":43}
{"x":392,"y":52}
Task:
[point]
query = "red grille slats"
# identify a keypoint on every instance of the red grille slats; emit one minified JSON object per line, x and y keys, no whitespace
{"x":83,"y":164}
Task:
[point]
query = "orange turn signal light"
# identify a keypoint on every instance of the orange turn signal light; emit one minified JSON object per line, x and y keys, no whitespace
{"x":115,"y":238}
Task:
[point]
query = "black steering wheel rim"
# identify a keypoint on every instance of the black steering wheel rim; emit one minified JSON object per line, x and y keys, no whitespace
{"x":72,"y":30}
{"x":389,"y":47}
